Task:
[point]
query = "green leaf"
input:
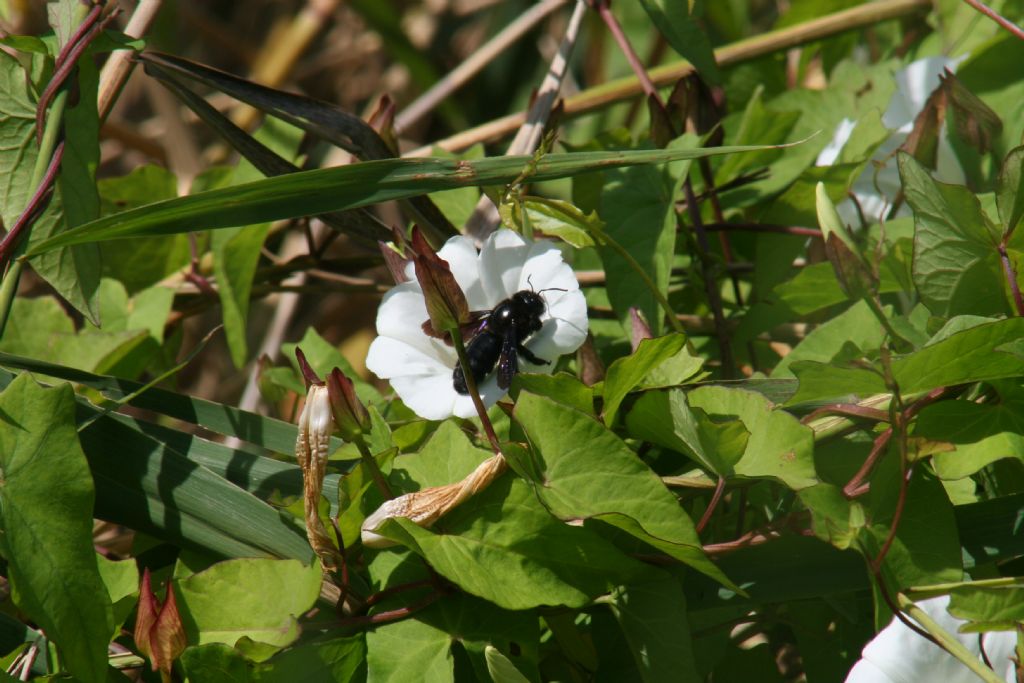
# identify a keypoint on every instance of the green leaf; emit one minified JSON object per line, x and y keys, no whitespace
{"x":147,"y":485}
{"x":503,"y":546}
{"x":625,"y":374}
{"x":204,"y":599}
{"x":18,"y":151}
{"x":853,"y":333}
{"x":266,"y":432}
{"x":638,"y":210}
{"x":956,"y":266}
{"x":216,"y":661}
{"x":338,"y":659}
{"x":75,"y":272}
{"x":665,"y":418}
{"x":926,"y":548}
{"x":823,"y":381}
{"x":995,"y":607}
{"x":815,"y":286}
{"x":40,"y":328}
{"x":121,"y":578}
{"x":501,"y":668}
{"x":779,"y":446}
{"x":677,"y":22}
{"x":561,"y":387}
{"x":476,"y":625}
{"x":587,"y":472}
{"x":345,"y":187}
{"x":654,"y":620}
{"x":971,"y":355}
{"x":394,"y":650}
{"x":979,"y":434}
{"x":554,"y":217}
{"x":1010,"y":191}
{"x":146,"y":260}
{"x":46,"y":503}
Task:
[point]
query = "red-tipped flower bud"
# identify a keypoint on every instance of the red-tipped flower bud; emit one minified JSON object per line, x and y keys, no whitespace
{"x":446,"y":303}
{"x":350,"y":414}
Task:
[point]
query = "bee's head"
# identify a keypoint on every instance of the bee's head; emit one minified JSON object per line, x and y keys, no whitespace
{"x":531,"y":299}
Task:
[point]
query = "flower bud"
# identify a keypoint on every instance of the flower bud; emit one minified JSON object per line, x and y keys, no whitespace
{"x":308,"y":374}
{"x":349,"y":412}
{"x":311,"y":450}
{"x":446,"y":303}
{"x":159,"y":633}
{"x":852,"y":271}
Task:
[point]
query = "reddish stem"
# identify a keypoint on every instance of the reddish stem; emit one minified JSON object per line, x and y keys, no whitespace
{"x":33,"y":209}
{"x":64,"y":65}
{"x":390,"y":615}
{"x":605,"y":11}
{"x":395,"y":590}
{"x":764,"y":227}
{"x":706,"y":517}
{"x":996,"y":17}
{"x":848,"y":410}
{"x":1011,"y":278}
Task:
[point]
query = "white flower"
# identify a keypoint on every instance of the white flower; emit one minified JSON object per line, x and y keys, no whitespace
{"x":879,"y":183}
{"x":898,"y":655}
{"x":420,"y":367}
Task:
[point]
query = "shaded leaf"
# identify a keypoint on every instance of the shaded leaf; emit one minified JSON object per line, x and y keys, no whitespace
{"x":654,"y":620}
{"x":625,"y":374}
{"x":503,"y":546}
{"x":587,"y":472}
{"x":677,"y":21}
{"x":46,"y":507}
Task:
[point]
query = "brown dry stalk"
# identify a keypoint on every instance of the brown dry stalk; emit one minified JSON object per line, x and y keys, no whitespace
{"x":625,"y":88}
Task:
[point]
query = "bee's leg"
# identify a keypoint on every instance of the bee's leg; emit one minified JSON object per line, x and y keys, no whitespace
{"x":530,"y":356}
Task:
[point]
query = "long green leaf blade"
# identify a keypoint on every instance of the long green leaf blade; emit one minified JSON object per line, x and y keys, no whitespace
{"x":347,"y":187}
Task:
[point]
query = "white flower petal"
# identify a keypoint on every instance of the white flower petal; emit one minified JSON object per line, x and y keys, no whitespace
{"x":564,"y":330}
{"x":420,"y":367}
{"x":501,"y":264}
{"x":430,"y":396}
{"x":914,"y":84}
{"x":460,"y":253}
{"x":828,"y":156}
{"x":900,"y":655}
{"x":388,"y":358}
{"x":879,"y":183}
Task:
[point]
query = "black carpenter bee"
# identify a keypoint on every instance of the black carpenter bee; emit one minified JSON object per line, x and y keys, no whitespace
{"x":497,"y":336}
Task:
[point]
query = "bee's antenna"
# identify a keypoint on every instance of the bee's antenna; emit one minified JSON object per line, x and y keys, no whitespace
{"x":546,"y":289}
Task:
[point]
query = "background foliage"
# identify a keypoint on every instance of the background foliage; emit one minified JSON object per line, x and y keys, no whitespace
{"x":781,"y":424}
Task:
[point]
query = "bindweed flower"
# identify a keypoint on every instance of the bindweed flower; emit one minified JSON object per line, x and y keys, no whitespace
{"x":420,"y":367}
{"x":879,"y":184}
{"x":898,"y":655}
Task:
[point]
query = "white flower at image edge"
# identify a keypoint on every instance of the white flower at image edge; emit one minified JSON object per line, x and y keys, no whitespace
{"x":898,"y":655}
{"x":420,"y":367}
{"x":879,"y":183}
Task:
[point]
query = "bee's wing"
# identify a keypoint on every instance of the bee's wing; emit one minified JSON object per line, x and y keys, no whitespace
{"x":508,"y":361}
{"x":469,"y":329}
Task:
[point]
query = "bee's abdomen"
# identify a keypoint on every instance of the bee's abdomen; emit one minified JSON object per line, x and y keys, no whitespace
{"x":482,"y":354}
